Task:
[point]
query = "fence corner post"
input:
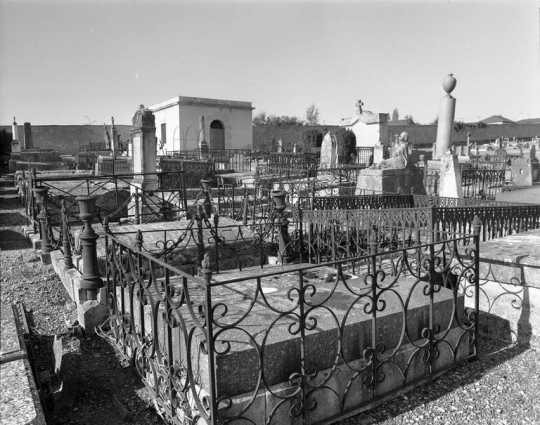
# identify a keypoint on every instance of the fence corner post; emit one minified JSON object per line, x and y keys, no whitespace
{"x":91,"y":279}
{"x":66,"y":245}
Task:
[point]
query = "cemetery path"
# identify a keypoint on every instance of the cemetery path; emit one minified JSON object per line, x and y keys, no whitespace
{"x":103,"y":375}
{"x":501,"y":388}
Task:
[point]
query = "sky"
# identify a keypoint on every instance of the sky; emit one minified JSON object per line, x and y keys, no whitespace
{"x":81,"y":62}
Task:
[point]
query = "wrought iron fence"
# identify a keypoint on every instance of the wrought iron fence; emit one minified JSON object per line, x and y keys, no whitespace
{"x":119,"y":197}
{"x":482,"y":184}
{"x":312,"y":342}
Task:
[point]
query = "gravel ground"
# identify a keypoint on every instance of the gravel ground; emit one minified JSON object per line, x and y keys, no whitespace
{"x":503,"y":387}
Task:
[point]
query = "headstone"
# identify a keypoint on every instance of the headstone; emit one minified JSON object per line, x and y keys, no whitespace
{"x":328,"y":152}
{"x":450,"y":177}
{"x":280,"y":146}
{"x":294,"y":148}
{"x":522,"y":172}
{"x":15,"y":144}
{"x":446,"y":118}
{"x":28,"y":141}
{"x":143,"y":136}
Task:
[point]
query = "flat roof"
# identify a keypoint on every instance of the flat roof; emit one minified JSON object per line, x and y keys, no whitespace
{"x":200,"y":101}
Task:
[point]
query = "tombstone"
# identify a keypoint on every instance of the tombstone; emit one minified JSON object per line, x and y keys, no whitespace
{"x":294,"y":148}
{"x":15,"y":144}
{"x":28,"y":140}
{"x":328,"y":152}
{"x":523,"y":173}
{"x":280,"y":146}
{"x":144,"y":146}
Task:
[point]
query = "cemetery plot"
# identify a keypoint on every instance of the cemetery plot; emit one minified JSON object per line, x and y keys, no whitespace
{"x":258,"y":344}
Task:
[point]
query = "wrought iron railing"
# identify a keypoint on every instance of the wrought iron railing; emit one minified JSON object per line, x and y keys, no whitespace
{"x":313,"y":342}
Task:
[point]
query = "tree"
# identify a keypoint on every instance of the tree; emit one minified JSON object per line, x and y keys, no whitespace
{"x":312,"y":115}
{"x":312,"y":139}
{"x":283,"y":120}
{"x":410,"y":120}
{"x":395,"y":115}
{"x":260,"y":118}
{"x":346,"y":140}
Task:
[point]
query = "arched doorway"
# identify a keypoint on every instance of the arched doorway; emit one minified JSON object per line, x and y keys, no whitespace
{"x":217,"y":135}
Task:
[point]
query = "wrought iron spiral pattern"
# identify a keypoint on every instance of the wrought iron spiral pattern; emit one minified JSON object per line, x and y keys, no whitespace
{"x":302,"y":346}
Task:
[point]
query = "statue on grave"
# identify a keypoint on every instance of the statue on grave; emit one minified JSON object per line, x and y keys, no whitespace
{"x":399,"y":155}
{"x":143,"y":118}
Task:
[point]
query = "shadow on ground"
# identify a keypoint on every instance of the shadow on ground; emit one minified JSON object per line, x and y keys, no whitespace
{"x":12,"y":240}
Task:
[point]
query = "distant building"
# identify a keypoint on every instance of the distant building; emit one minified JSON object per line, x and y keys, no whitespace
{"x":182,"y":122}
{"x":497,"y":119}
{"x":369,"y":128}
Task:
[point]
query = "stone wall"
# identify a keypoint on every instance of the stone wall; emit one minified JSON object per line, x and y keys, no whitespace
{"x":287,"y":133}
{"x":66,"y":139}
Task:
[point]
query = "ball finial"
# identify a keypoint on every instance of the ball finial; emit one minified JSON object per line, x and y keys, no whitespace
{"x":449,"y":83}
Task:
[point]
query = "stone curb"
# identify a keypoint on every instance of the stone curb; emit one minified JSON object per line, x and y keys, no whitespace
{"x":19,"y":397}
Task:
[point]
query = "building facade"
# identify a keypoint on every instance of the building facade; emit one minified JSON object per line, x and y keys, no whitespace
{"x":183,"y":122}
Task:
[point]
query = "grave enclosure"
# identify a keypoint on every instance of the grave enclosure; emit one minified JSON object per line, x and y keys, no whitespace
{"x":329,"y":294}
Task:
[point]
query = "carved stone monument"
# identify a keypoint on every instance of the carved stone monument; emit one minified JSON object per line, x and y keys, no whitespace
{"x":328,"y":152}
{"x":144,"y":145}
{"x":392,"y":175}
{"x":28,"y":140}
{"x":447,"y":112}
{"x":15,"y":144}
{"x":445,"y":163}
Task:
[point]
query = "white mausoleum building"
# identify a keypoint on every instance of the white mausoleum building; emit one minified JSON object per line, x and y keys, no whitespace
{"x":369,"y":128}
{"x":182,"y":122}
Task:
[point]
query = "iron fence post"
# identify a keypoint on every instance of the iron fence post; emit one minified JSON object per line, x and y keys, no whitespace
{"x":91,"y":279}
{"x":245,"y":211}
{"x":42,"y":196}
{"x":284,"y":255}
{"x":206,"y":268}
{"x":66,"y":245}
{"x":477,"y":224}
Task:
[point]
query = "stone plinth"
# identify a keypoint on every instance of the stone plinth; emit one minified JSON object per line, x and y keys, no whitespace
{"x":238,"y":370}
{"x":510,"y":288}
{"x":450,"y":177}
{"x":391,"y":181}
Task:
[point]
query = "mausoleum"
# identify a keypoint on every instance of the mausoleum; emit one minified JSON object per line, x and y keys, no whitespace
{"x":183,"y":122}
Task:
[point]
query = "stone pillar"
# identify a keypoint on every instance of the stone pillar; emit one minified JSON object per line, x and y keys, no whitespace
{"x":143,"y":137}
{"x":201,"y":130}
{"x":446,"y":118}
{"x":28,"y":141}
{"x":15,"y":144}
{"x":114,"y":146}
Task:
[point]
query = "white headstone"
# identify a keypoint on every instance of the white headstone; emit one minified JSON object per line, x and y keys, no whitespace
{"x":327,"y":152}
{"x":280,"y":146}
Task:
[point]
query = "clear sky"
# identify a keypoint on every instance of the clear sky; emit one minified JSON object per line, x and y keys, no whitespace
{"x":76,"y":62}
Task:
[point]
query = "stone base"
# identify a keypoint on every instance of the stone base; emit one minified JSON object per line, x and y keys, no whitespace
{"x":402,"y":181}
{"x":510,"y":288}
{"x":90,"y":313}
{"x":45,"y":257}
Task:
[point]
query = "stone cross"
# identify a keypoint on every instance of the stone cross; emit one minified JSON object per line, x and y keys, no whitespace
{"x":359,"y":105}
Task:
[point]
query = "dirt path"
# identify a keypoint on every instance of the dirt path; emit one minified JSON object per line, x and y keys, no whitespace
{"x":103,"y":373}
